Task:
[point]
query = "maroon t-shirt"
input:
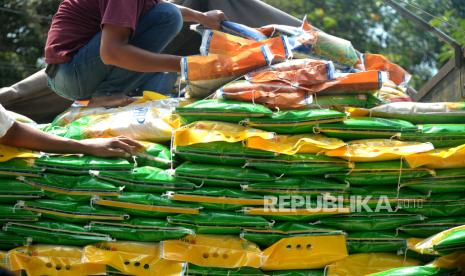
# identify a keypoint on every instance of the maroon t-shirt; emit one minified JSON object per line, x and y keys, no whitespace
{"x":77,"y":21}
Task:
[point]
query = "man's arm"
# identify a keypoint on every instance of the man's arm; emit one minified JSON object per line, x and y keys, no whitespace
{"x":24,"y":136}
{"x":115,"y":49}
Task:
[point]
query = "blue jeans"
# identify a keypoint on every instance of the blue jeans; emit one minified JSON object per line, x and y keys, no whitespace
{"x":85,"y":75}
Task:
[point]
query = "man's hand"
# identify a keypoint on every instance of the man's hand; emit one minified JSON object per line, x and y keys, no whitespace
{"x":212,"y":19}
{"x":111,"y":147}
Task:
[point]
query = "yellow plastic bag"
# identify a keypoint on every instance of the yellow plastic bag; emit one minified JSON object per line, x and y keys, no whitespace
{"x":372,"y":150}
{"x":132,"y":258}
{"x":8,"y":153}
{"x":53,"y":260}
{"x":213,"y":251}
{"x":451,"y":261}
{"x":209,"y":131}
{"x":427,"y":246}
{"x":447,"y":158}
{"x":4,"y":263}
{"x":292,"y":144}
{"x":368,"y":263}
{"x":305,"y":252}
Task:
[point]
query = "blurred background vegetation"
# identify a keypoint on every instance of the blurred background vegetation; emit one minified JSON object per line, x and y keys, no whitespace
{"x":371,"y":25}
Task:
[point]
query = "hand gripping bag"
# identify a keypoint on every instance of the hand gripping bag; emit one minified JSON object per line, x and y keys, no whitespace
{"x":19,"y":167}
{"x":370,"y":221}
{"x":154,"y":155}
{"x":440,"y":135}
{"x":9,"y":241}
{"x":368,"y":263}
{"x":53,"y":261}
{"x":215,"y":222}
{"x":13,"y":190}
{"x":267,"y":237}
{"x":145,"y":204}
{"x":357,"y":128}
{"x":7,"y":153}
{"x":195,"y":270}
{"x":139,"y":229}
{"x":220,"y":175}
{"x":295,"y":121}
{"x":218,"y":70}
{"x":132,"y":258}
{"x":213,"y":251}
{"x":431,"y":226}
{"x":438,"y":205}
{"x":422,"y":113}
{"x":446,"y":158}
{"x":216,"y":42}
{"x":292,"y":144}
{"x":444,"y":181}
{"x":379,"y":62}
{"x":145,"y":180}
{"x":81,"y":164}
{"x":73,"y":188}
{"x":376,"y":241}
{"x":299,"y":164}
{"x":379,"y":173}
{"x":372,"y":150}
{"x":210,"y":131}
{"x":305,"y":252}
{"x":217,"y":198}
{"x":12,"y":213}
{"x":448,"y":241}
{"x":224,"y":153}
{"x":68,"y":211}
{"x":58,"y":233}
{"x":221,"y":110}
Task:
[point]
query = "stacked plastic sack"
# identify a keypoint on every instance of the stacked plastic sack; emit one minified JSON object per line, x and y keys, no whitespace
{"x":234,"y":185}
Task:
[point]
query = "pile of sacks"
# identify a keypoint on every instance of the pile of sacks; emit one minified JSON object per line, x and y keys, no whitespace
{"x":317,"y":165}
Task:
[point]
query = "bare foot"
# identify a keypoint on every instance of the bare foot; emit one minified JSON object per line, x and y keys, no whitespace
{"x":110,"y":101}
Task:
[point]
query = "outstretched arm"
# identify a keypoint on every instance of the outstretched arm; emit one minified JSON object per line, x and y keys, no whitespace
{"x":25,"y":136}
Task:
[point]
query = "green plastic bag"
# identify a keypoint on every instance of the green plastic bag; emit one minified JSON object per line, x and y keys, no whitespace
{"x":431,"y":226}
{"x":370,"y":221}
{"x":55,"y":233}
{"x":340,"y":102}
{"x":440,"y":135}
{"x":425,"y":270}
{"x":155,"y":155}
{"x":146,"y":205}
{"x":69,"y":211}
{"x":439,"y":205}
{"x":224,"y":199}
{"x":219,"y":222}
{"x":365,"y":128}
{"x":140,"y":229}
{"x":299,"y":164}
{"x":297,"y":186}
{"x":266,"y":237}
{"x":146,"y":180}
{"x":374,"y":195}
{"x":13,"y":213}
{"x":74,"y":188}
{"x":445,"y":181}
{"x":12,"y":190}
{"x":233,"y":154}
{"x":295,"y":121}
{"x":301,"y":272}
{"x":446,"y":242}
{"x":9,"y":241}
{"x":221,"y":110}
{"x":216,"y":175}
{"x":379,"y":173}
{"x":19,"y":167}
{"x":378,"y":241}
{"x":194,"y":270}
{"x":81,"y":164}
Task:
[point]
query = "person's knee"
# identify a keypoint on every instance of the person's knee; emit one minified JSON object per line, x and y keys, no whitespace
{"x":174,"y":16}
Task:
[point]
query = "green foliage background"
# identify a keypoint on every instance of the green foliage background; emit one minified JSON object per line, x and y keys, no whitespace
{"x":370,"y":24}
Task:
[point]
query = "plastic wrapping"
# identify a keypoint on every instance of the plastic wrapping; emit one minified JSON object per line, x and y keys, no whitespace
{"x":440,"y":135}
{"x":320,"y":250}
{"x":445,"y":158}
{"x":19,"y":167}
{"x":370,"y":221}
{"x":379,"y":62}
{"x":9,"y":241}
{"x":295,"y":214}
{"x":81,"y":164}
{"x":12,"y":213}
{"x":432,"y":226}
{"x":451,"y":181}
{"x":131,"y":258}
{"x":372,"y":242}
{"x":448,"y":241}
{"x":242,"y":30}
{"x":221,"y":110}
{"x":217,"y":70}
{"x":213,"y":251}
{"x":154,"y":155}
{"x":194,"y":270}
{"x":53,"y":261}
{"x":145,"y":179}
{"x":209,"y":131}
{"x":13,"y":190}
{"x":292,"y":144}
{"x":372,"y":150}
{"x":7,"y":153}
